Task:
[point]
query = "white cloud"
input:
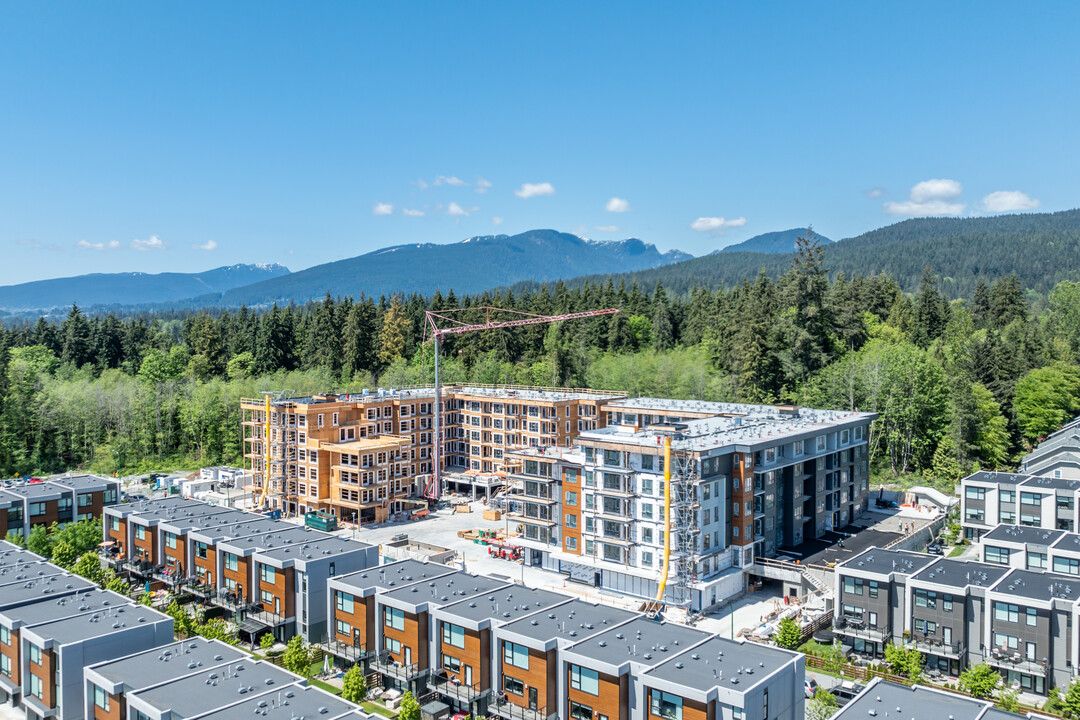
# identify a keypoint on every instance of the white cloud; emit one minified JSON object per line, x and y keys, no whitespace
{"x":929,"y":190}
{"x":421,"y":184}
{"x":929,"y":197}
{"x":383,"y":209}
{"x":111,"y":245}
{"x":617,"y":204}
{"x":455,"y":210}
{"x":482,"y":186}
{"x":444,"y":180}
{"x":412,"y":213}
{"x":529,"y":190}
{"x":208,"y":245}
{"x":608,"y":228}
{"x":717,"y":225}
{"x":875,"y":192}
{"x":496,"y":220}
{"x":1008,"y":201}
{"x":151,"y":243}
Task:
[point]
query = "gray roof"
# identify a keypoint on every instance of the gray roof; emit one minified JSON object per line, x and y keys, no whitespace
{"x":505,"y":604}
{"x":91,"y":625}
{"x":405,"y":572}
{"x":287,"y":535}
{"x":173,"y":501}
{"x":961,"y":573}
{"x":886,"y":562}
{"x":215,"y":688}
{"x":18,"y":556}
{"x":181,"y":514}
{"x":643,"y":641}
{"x":445,"y":589}
{"x":37,"y":491}
{"x":1023,"y":534}
{"x":719,"y":661}
{"x":224,"y":518}
{"x":50,"y":609}
{"x":570,"y":622}
{"x":85,"y":483}
{"x":997,"y":478}
{"x":318,"y":546}
{"x":1040,"y":585}
{"x":26,"y":591}
{"x":1051,"y":483}
{"x":231,"y":531}
{"x":911,"y":703}
{"x":1068,"y":541}
{"x":165,"y":663}
{"x":296,"y":702}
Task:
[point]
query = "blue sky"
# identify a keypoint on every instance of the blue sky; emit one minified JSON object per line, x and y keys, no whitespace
{"x":183,"y":136}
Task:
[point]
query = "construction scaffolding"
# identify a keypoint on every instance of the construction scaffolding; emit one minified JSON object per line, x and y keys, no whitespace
{"x":280,"y":449}
{"x":685,"y":531}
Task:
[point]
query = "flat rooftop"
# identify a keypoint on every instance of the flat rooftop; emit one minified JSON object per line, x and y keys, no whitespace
{"x":77,"y":628}
{"x":1024,"y":534}
{"x":1051,"y":483}
{"x":225,"y":518}
{"x":286,"y":535}
{"x":997,"y":478}
{"x":886,"y":562}
{"x":18,"y":556}
{"x":320,"y":545}
{"x":511,"y":395}
{"x":228,"y":531}
{"x":911,"y":703}
{"x":717,"y":661}
{"x":213,"y":689}
{"x":167,"y":662}
{"x":506,"y":604}
{"x":39,"y":588}
{"x":1068,"y":542}
{"x":26,"y":569}
{"x":290,"y":703}
{"x":149,"y":506}
{"x":1040,"y":585}
{"x":84,"y":483}
{"x":642,"y":641}
{"x":962,"y":573}
{"x":445,"y":589}
{"x":36,"y":491}
{"x":178,"y":514}
{"x":405,"y":572}
{"x":50,"y":609}
{"x":570,"y":622}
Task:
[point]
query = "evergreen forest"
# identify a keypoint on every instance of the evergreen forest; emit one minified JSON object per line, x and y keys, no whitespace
{"x":958,"y":382}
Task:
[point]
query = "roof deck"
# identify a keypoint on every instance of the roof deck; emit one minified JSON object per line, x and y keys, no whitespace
{"x":720,"y":662}
{"x":569,"y":623}
{"x":394,"y":575}
{"x":642,"y":641}
{"x":162,"y":664}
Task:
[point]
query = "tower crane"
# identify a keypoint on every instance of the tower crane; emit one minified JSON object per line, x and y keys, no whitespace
{"x":452,"y":326}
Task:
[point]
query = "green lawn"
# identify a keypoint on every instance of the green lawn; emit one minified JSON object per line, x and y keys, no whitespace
{"x":324,"y":686}
{"x":377,"y":709}
{"x":958,"y":550}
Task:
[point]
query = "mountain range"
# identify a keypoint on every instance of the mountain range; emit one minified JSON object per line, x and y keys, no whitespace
{"x":1041,"y":248}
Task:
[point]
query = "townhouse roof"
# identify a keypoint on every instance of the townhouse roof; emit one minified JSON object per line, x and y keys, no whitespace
{"x":213,"y":689}
{"x":505,"y":604}
{"x":913,"y":703}
{"x":643,"y":641}
{"x":54,"y":608}
{"x":994,"y":477}
{"x":1067,"y":438}
{"x":1040,"y":585}
{"x":211,"y":532}
{"x":1023,"y":534}
{"x":886,"y":562}
{"x":37,"y":491}
{"x":962,"y":573}
{"x":172,"y":515}
{"x":285,"y":535}
{"x":84,"y":483}
{"x":77,"y":628}
{"x":173,"y":501}
{"x":27,"y":590}
{"x":570,"y":622}
{"x":1069,"y":542}
{"x":7,"y":500}
{"x":394,"y":575}
{"x":320,"y":546}
{"x":290,"y":703}
{"x":1051,"y":483}
{"x":26,"y":569}
{"x":15,"y":555}
{"x":444,"y":589}
{"x":162,"y":664}
{"x":721,"y":662}
{"x":225,"y":518}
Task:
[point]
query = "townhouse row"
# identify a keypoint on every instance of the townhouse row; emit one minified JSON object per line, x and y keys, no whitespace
{"x":270,"y":575}
{"x":1010,"y":612}
{"x":24,"y":506}
{"x":988,"y":499}
{"x":485,"y":646}
{"x":881,"y":698}
{"x":1058,"y":455}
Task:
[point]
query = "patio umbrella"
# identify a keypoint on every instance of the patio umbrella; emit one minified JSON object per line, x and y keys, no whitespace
{"x":326,"y":664}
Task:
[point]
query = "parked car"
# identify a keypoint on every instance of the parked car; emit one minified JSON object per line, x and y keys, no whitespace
{"x":810,"y":687}
{"x":935,"y":549}
{"x":846,"y":691}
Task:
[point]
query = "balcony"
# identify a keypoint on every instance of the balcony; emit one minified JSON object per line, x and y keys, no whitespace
{"x":856,"y":627}
{"x":345,"y":651}
{"x":229,"y":600}
{"x":265,"y":617}
{"x":389,"y":667}
{"x":506,"y":709}
{"x":142,"y":568}
{"x":454,"y":689}
{"x":197,"y":586}
{"x":1015,"y":661}
{"x":167,"y":575}
{"x":932,"y":646}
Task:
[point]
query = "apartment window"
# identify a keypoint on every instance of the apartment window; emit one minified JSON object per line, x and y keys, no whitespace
{"x":1027,"y":498}
{"x":647,"y":511}
{"x":1031,"y":616}
{"x":516,"y":655}
{"x":451,"y":664}
{"x":114,"y":523}
{"x":343,"y":628}
{"x":319,"y":423}
{"x":201,"y":550}
{"x":1008,"y":517}
{"x":571,"y":544}
{"x":5,"y":665}
{"x":35,"y":686}
{"x":334,"y":419}
{"x":997,"y":555}
{"x":230,"y":584}
{"x":974,"y":514}
{"x":394,"y":618}
{"x":844,"y":437}
{"x":946,"y":603}
{"x":647,"y":463}
{"x":1036,"y":561}
{"x":925,"y":599}
{"x":37,"y":508}
{"x":571,"y":521}
{"x":1006,"y":642}
{"x":86,"y":499}
{"x":820,"y":442}
{"x":1064,"y":503}
{"x":232,"y":562}
{"x":452,"y":635}
{"x":975,"y":493}
{"x":665,"y":705}
{"x":580,"y":712}
{"x":170,"y":540}
{"x":343,"y":602}
{"x":646,"y":535}
{"x":585,"y":680}
{"x":646,"y":558}
{"x":140,"y":531}
{"x":590,"y":546}
{"x":770,"y":455}
{"x":101,"y":698}
{"x":571,"y":498}
{"x":1006,"y":612}
{"x":5,"y":635}
{"x":612,"y":458}
{"x":35,"y":655}
{"x":872,"y":589}
{"x":266,"y":596}
{"x":1007,"y":496}
{"x":267,"y":573}
{"x":514,"y":686}
{"x":798,"y":447}
{"x":391,"y":645}
{"x":853,"y":586}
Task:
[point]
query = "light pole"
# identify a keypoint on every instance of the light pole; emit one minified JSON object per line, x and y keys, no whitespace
{"x":117,"y":452}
